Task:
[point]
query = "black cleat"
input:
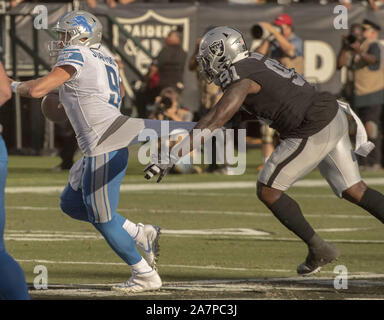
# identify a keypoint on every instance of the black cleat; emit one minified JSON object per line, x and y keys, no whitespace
{"x":318,"y":257}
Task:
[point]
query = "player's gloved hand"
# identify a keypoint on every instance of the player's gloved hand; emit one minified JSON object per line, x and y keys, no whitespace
{"x":158,"y":168}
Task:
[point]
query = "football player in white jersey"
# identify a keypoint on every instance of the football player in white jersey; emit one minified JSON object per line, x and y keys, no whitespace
{"x":89,"y":89}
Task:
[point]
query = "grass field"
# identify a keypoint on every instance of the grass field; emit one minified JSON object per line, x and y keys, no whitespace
{"x":217,"y":241}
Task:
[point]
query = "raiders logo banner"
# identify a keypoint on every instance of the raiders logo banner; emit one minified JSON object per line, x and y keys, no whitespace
{"x":149,"y":24}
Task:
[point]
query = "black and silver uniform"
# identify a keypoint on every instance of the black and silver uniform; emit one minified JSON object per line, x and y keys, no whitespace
{"x":286,"y":101}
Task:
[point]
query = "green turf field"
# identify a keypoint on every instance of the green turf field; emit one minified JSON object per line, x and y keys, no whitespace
{"x":208,"y":234}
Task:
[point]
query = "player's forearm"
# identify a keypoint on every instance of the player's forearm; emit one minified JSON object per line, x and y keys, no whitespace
{"x":29,"y":89}
{"x":220,"y":114}
{"x":225,"y":109}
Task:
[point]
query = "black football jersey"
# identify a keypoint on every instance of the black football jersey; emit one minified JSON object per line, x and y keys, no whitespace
{"x":286,"y":101}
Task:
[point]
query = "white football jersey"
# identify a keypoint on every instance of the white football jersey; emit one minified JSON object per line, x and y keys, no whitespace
{"x":92,"y":97}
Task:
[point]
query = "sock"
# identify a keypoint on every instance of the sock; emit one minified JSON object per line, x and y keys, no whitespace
{"x":131,"y":228}
{"x":12,"y":279}
{"x":119,"y":239}
{"x":373,"y":202}
{"x":142,"y":266}
{"x":289,"y":214}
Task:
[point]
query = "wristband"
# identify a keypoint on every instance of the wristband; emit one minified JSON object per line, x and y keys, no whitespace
{"x":14,"y":86}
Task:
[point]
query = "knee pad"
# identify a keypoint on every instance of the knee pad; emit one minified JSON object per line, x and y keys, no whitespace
{"x":267,"y":134}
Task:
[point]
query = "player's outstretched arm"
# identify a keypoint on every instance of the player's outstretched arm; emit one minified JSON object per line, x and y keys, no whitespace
{"x":220,"y":114}
{"x":42,"y":86}
{"x":5,"y":89}
{"x":228,"y":105}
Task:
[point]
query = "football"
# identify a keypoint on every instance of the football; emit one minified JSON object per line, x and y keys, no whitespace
{"x":52,"y":109}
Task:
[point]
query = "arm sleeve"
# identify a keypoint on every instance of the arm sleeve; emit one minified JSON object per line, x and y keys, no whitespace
{"x":73,"y":57}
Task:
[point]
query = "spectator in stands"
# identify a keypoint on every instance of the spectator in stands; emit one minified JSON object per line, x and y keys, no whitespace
{"x":345,"y":59}
{"x":166,"y":70}
{"x":285,"y":46}
{"x":170,"y":62}
{"x":110,"y":3}
{"x":167,"y":107}
{"x":91,"y":3}
{"x":247,"y":1}
{"x":374,"y":5}
{"x":364,"y":56}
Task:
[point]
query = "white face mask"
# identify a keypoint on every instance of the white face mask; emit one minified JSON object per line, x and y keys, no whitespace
{"x":55,"y":46}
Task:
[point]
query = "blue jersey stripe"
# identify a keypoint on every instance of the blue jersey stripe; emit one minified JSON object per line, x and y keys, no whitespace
{"x":71,"y":56}
{"x":69,"y":50}
{"x":70,"y":61}
{"x":105,"y":182}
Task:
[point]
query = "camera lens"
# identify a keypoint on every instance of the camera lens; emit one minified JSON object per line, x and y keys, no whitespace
{"x":166,"y":102}
{"x":257,"y":31}
{"x":351,"y":38}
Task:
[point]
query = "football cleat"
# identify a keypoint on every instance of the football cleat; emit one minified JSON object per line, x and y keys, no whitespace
{"x":147,"y":239}
{"x":318,"y":257}
{"x":140,"y":282}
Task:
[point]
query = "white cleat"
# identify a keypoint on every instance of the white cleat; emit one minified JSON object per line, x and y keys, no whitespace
{"x":140,"y":282}
{"x":148,"y":240}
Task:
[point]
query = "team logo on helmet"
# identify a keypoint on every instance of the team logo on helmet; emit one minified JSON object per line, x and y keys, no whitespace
{"x":217,"y":48}
{"x":82,"y":21}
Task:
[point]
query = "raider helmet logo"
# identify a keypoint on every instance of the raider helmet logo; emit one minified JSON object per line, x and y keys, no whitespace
{"x":217,"y":48}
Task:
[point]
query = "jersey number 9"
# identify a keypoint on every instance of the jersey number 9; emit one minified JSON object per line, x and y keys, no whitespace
{"x":115,"y":96}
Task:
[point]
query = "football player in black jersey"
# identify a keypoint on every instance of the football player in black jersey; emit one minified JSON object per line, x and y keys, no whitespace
{"x":313,"y":127}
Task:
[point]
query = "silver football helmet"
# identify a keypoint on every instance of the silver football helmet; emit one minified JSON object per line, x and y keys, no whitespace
{"x":72,"y":28}
{"x":220,"y":48}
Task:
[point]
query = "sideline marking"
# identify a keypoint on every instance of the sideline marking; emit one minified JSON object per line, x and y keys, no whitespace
{"x":187,"y":186}
{"x":243,"y":213}
{"x":226,"y":233}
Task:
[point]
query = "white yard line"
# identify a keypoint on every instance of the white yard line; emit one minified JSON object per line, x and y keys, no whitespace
{"x":215,"y":212}
{"x":209,"y":267}
{"x":187,"y":186}
{"x":352,"y":276}
{"x":257,"y":235}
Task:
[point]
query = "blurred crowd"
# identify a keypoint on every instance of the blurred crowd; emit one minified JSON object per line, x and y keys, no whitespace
{"x":159,"y":95}
{"x":374,"y":4}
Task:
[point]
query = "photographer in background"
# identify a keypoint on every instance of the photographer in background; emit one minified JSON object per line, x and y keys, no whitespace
{"x":346,"y":57}
{"x":282,"y":44}
{"x":362,"y":55}
{"x":167,"y":107}
{"x":166,"y":70}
